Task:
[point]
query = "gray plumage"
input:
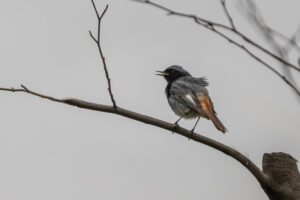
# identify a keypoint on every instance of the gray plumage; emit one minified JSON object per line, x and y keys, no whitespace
{"x":188,"y":96}
{"x":183,"y":96}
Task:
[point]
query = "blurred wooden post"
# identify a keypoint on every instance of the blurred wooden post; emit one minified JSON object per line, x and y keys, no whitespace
{"x":282,"y":171}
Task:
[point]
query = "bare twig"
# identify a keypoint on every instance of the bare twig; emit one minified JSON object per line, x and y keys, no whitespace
{"x":26,"y":90}
{"x":97,"y":41}
{"x":223,"y":2}
{"x":194,"y":17}
{"x":212,"y":27}
{"x":207,"y":23}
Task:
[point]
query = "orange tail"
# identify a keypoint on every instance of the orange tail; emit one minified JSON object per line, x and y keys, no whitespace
{"x":218,"y":124}
{"x":208,"y":108}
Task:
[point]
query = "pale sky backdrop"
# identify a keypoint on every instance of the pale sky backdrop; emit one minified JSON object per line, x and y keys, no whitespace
{"x":53,"y":151}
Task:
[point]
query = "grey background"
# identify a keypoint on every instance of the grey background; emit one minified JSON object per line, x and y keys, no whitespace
{"x":54,"y":151}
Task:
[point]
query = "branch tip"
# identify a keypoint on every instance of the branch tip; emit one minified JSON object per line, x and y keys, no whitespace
{"x":25,"y":88}
{"x":104,"y":11}
{"x":92,"y":36}
{"x":223,"y":2}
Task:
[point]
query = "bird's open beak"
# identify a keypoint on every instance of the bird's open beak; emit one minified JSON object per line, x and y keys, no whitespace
{"x":160,"y":73}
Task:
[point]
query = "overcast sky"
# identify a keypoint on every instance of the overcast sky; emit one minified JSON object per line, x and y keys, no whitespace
{"x":53,"y":151}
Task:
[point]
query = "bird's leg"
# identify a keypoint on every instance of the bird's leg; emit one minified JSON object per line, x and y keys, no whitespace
{"x":176,"y":124}
{"x":192,"y":131}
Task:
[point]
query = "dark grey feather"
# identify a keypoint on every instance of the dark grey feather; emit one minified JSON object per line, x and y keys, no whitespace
{"x":183,"y":87}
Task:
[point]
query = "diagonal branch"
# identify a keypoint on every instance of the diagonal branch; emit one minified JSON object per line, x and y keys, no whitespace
{"x":97,"y":41}
{"x":212,"y":27}
{"x":194,"y":17}
{"x":158,"y":123}
{"x":267,"y":183}
{"x":289,"y":83}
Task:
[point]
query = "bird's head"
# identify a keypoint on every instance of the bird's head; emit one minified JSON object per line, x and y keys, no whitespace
{"x":173,"y":72}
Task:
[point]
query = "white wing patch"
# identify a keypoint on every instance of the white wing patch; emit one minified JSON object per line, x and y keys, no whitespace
{"x":190,"y":98}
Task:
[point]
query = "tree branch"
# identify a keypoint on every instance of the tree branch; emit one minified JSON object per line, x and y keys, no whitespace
{"x":289,"y":83}
{"x":212,"y":27}
{"x":97,"y":41}
{"x":272,"y":188}
{"x":253,"y":169}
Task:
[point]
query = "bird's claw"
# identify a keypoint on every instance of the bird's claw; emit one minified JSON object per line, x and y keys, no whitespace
{"x":191,"y":135}
{"x":175,"y":127}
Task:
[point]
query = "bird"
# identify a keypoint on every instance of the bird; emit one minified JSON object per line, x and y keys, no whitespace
{"x":188,"y":96}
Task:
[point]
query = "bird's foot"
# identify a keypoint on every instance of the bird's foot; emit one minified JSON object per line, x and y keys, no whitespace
{"x":192,"y":133}
{"x":175,"y":127}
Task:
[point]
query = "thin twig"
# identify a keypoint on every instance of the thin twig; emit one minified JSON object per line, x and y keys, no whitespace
{"x":172,"y":12}
{"x":216,"y":25}
{"x":223,"y":2}
{"x":97,"y":41}
{"x":26,"y":90}
{"x":95,"y":9}
{"x":158,"y":123}
{"x":212,"y":27}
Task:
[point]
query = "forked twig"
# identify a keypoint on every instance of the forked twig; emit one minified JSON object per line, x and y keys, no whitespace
{"x":97,"y":41}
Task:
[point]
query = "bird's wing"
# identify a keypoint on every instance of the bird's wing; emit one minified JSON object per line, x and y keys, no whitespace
{"x":185,"y":90}
{"x":199,"y":81}
{"x":192,"y":92}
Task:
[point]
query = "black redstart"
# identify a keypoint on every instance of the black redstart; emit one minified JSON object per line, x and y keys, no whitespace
{"x":188,"y":96}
